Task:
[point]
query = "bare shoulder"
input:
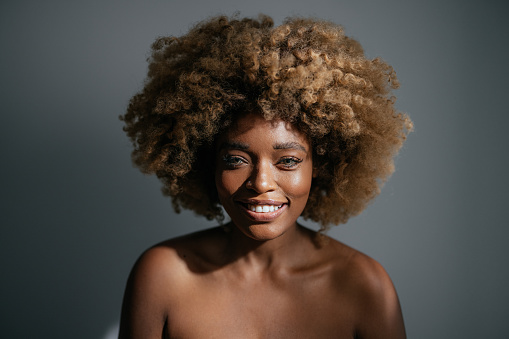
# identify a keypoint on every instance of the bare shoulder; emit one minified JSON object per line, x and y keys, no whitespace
{"x":160,"y":277}
{"x":362,"y":271}
{"x":176,"y":258}
{"x":373,"y":294}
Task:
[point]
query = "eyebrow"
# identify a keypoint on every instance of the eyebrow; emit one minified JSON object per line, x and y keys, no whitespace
{"x":290,"y":145}
{"x":234,"y":145}
{"x":242,"y":146}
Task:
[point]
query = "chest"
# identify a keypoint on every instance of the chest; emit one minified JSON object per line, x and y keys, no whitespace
{"x":304,"y":308}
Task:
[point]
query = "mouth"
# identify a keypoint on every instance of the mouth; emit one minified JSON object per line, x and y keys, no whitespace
{"x":263,"y":210}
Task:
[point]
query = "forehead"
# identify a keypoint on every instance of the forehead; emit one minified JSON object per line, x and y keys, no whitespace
{"x":256,"y":129}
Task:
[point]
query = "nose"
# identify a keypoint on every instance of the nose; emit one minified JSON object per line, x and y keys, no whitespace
{"x":262,"y":178}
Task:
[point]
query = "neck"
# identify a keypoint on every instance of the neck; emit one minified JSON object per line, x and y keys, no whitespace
{"x":287,"y":250}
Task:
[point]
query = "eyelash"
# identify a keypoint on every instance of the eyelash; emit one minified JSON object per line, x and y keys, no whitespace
{"x":233,"y":161}
{"x":295,"y":162}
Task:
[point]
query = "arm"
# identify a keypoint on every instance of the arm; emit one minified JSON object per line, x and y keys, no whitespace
{"x":380,"y":312}
{"x":145,"y":301}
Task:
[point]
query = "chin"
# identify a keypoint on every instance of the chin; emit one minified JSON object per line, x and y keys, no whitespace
{"x":263,"y":232}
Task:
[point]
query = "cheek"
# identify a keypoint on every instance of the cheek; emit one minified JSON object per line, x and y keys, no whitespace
{"x":227,"y":183}
{"x":220,"y":185}
{"x":299,"y":185}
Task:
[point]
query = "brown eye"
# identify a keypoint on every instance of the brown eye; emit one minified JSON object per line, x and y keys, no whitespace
{"x":233,"y":161}
{"x":289,"y":162}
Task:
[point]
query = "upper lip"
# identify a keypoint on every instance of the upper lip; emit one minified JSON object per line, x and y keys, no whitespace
{"x":262,"y":202}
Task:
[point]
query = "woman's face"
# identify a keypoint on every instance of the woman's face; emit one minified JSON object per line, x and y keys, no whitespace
{"x":263,"y":175}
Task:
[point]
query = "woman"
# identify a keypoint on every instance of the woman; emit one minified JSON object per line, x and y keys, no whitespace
{"x":269,"y":123}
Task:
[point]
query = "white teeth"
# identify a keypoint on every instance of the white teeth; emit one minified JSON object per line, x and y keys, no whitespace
{"x":263,"y":208}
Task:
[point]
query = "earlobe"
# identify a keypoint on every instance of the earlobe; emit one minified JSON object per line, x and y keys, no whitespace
{"x":315,"y":172}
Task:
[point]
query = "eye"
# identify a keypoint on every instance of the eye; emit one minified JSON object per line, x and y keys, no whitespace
{"x":289,"y":162}
{"x":233,"y":161}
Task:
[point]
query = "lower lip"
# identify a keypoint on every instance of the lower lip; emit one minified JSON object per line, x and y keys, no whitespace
{"x":264,"y":216}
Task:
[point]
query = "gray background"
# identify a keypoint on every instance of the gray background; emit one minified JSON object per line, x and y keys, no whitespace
{"x":75,"y":214}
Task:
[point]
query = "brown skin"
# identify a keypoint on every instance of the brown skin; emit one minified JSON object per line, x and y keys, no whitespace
{"x":266,"y":277}
{"x":263,"y":163}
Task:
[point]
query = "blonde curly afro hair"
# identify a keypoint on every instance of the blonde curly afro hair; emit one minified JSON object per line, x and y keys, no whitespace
{"x":305,"y":71}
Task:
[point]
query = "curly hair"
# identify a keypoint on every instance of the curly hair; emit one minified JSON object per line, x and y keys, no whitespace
{"x":305,"y":71}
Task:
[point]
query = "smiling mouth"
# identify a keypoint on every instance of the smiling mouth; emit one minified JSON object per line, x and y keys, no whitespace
{"x":263,"y":208}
